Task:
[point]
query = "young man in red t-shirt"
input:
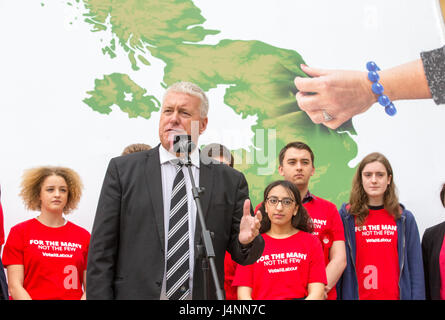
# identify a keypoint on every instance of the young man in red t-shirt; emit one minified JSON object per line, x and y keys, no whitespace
{"x":296,"y":164}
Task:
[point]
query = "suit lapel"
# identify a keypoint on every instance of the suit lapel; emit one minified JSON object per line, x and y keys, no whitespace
{"x":206,"y":182}
{"x":154,"y":183}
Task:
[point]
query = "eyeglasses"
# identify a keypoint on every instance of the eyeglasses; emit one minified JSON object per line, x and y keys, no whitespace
{"x":285,"y":202}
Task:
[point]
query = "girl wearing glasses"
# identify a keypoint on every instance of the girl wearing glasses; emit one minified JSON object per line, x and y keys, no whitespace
{"x":292,"y":265}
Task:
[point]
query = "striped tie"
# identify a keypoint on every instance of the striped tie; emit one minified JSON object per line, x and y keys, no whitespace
{"x":178,"y":241}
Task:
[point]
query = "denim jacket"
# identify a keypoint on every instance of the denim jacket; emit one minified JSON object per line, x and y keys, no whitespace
{"x":411,"y":279}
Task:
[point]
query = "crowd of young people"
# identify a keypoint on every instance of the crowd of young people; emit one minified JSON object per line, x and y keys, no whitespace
{"x":369,"y":250}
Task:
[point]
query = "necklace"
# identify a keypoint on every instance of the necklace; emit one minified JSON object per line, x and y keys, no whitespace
{"x":282,"y":235}
{"x":56,"y":226}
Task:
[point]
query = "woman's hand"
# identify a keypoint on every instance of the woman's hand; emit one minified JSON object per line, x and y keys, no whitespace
{"x":342,"y":94}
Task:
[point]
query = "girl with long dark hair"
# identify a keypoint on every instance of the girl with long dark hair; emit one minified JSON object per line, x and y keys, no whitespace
{"x":292,"y":265}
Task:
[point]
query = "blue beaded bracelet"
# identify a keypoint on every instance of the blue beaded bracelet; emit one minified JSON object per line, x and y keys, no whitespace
{"x":377,"y":88}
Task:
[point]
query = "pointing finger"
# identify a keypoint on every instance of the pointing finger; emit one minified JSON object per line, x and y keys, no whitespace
{"x":313,"y":72}
{"x":246,"y":208}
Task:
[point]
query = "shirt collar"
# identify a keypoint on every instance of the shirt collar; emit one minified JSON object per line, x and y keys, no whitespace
{"x":308,"y":197}
{"x":165,"y":156}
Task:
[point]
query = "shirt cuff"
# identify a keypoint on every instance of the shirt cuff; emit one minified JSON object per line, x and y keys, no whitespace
{"x":245,"y":247}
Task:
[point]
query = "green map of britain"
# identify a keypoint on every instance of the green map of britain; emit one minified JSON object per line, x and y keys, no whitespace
{"x":259,"y":77}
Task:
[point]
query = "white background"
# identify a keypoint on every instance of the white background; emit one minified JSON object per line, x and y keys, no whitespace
{"x":49,"y":59}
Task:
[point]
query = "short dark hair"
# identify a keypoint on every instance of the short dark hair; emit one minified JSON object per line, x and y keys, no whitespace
{"x":297,"y":145}
{"x":218,"y":150}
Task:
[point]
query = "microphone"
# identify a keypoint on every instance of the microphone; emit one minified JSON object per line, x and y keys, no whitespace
{"x":183,"y":143}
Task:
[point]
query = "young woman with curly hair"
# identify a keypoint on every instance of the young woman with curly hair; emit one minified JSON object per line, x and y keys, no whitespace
{"x":46,"y":256}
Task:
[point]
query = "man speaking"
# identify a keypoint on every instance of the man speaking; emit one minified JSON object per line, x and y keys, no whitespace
{"x":146,"y":232}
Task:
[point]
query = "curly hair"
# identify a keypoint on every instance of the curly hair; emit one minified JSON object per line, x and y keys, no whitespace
{"x":218,"y":150}
{"x":33,"y":179}
{"x":301,"y":221}
{"x":359,"y":199}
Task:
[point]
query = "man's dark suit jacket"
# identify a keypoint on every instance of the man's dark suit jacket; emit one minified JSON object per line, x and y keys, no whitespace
{"x":432,"y":241}
{"x":126,"y":255}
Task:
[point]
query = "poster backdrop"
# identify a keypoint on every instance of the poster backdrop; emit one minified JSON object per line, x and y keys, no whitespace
{"x":81,"y":80}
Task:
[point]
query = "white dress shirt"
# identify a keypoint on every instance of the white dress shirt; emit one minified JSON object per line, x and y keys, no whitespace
{"x":168,"y":174}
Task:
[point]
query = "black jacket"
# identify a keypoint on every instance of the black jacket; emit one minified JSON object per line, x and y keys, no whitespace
{"x":126,"y":254}
{"x":3,"y":284}
{"x":431,"y":244}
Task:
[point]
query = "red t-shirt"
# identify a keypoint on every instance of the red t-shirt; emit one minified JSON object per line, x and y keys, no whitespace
{"x":54,"y":258}
{"x":442,"y":270}
{"x":285,"y":268}
{"x":377,"y":262}
{"x":328,"y":227}
{"x":229,"y":275}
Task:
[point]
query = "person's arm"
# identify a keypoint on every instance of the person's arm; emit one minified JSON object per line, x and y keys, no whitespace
{"x":346,"y":93}
{"x":425,"y":244}
{"x":84,"y":295}
{"x":316,"y":291}
{"x":246,"y":245}
{"x":336,"y":265}
{"x":414,"y":257}
{"x":16,"y":275}
{"x":406,"y":81}
{"x":244,"y":293}
{"x":316,"y":280}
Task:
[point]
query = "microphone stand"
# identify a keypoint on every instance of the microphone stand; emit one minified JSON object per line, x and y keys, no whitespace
{"x":209,"y":254}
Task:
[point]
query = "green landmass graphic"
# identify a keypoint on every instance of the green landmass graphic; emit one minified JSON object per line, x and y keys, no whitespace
{"x":260,"y":78}
{"x":118,"y":89}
